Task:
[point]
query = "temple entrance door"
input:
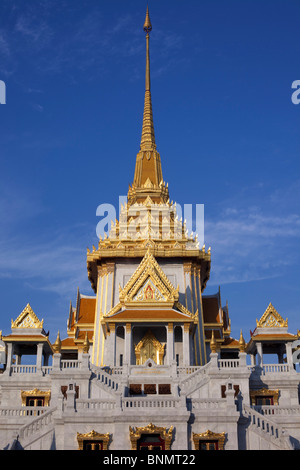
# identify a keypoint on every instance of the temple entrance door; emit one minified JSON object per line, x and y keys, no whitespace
{"x":149,"y":352}
{"x":149,"y":348}
{"x":151,"y":442}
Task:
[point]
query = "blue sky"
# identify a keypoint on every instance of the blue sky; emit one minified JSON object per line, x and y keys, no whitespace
{"x":226,"y":129}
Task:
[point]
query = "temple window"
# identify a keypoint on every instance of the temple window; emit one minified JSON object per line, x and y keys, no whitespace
{"x":92,"y":445}
{"x":93,"y":441}
{"x":151,"y":437}
{"x":35,"y":397}
{"x":36,"y":401}
{"x":264,"y":397}
{"x":150,"y":442}
{"x":208,"y":445}
{"x":209,"y":440}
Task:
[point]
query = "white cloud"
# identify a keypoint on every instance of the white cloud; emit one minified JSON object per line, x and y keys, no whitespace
{"x":46,"y":260}
{"x":251,"y":245}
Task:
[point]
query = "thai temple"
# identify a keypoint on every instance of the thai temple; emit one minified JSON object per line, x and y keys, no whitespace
{"x":148,"y":361}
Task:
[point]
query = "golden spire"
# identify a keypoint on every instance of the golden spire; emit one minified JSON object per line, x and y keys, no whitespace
{"x":213,"y":343}
{"x":242,"y":342}
{"x":57,"y":345}
{"x":86,"y":344}
{"x":148,"y":138}
{"x":148,"y":179}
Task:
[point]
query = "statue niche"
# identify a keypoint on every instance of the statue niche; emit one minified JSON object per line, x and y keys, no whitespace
{"x":149,"y":348}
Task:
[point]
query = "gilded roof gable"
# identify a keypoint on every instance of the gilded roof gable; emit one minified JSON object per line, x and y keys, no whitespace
{"x":27,"y":319}
{"x":149,"y":285}
{"x":271,"y":319}
{"x":149,"y":288}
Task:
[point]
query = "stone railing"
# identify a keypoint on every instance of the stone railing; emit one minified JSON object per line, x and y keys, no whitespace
{"x":208,"y":403}
{"x":35,"y":426}
{"x":142,"y":403}
{"x":112,"y":370}
{"x":90,"y":405}
{"x":44,"y":370}
{"x":194,"y":378}
{"x":267,"y":427}
{"x":270,"y":369}
{"x":105,"y":379}
{"x":24,"y":369}
{"x":275,"y":368}
{"x":17,"y":411}
{"x":117,"y":370}
{"x":70,"y":364}
{"x":276,"y":410}
{"x":228,"y":363}
{"x":186,"y":370}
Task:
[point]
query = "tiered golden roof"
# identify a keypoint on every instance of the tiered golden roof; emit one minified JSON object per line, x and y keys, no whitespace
{"x":149,"y":220}
{"x":148,"y":179}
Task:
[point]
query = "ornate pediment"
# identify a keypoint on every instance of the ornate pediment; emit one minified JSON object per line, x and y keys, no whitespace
{"x":271,"y":319}
{"x":149,"y":285}
{"x":150,"y":289}
{"x":27,"y":319}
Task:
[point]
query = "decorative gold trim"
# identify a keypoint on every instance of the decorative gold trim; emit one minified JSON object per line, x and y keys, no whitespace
{"x":36,"y":393}
{"x":134,"y":294}
{"x":86,"y":344}
{"x":242,"y":344}
{"x":113,"y":248}
{"x":157,"y":349}
{"x":187,"y":267}
{"x":93,"y":436}
{"x":27,"y":319}
{"x":213,"y":344}
{"x":209,"y":436}
{"x":264,"y":392}
{"x":135,"y":434}
{"x":271,"y":319}
{"x":57,"y":345}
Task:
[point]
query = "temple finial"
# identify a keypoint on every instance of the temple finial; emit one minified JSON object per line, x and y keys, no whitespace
{"x":148,"y":171}
{"x":147,"y":24}
{"x":148,"y":138}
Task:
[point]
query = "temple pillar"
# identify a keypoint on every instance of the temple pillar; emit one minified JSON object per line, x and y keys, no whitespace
{"x":259,"y":354}
{"x":10,"y":352}
{"x":56,"y":360}
{"x":104,"y":303}
{"x":112,"y":328}
{"x":289,"y":355}
{"x":186,"y":344}
{"x":170,"y":343}
{"x":39,"y":356}
{"x":128,"y":343}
